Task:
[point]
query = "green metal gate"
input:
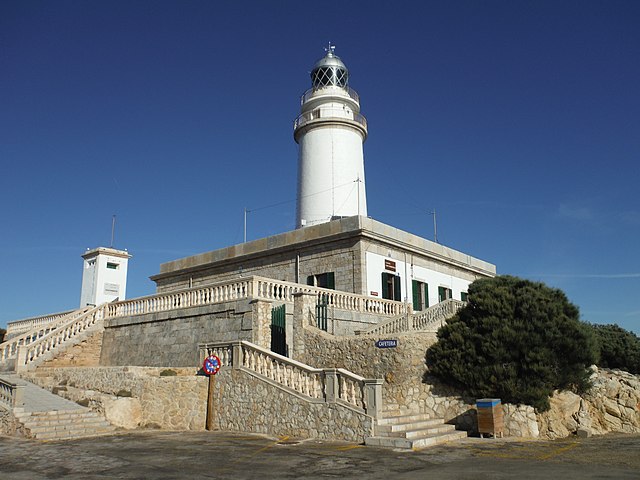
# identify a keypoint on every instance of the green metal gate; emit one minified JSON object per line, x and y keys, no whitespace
{"x":278,"y":330}
{"x":322,"y":311}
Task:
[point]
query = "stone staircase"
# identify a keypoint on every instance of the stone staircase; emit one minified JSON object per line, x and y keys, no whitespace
{"x":412,"y":431}
{"x":64,"y":424}
{"x":46,"y":416}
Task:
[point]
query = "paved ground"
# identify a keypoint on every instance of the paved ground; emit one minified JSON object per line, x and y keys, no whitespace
{"x":176,"y":455}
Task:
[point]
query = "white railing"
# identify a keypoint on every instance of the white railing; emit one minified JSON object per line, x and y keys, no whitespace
{"x":351,"y":388}
{"x":27,"y":354}
{"x":21,"y":326}
{"x":319,"y":91}
{"x":284,"y":291}
{"x":9,"y":349}
{"x":434,"y":316}
{"x":297,"y":376}
{"x":438,"y":313}
{"x":329,"y":114}
{"x":323,"y":385}
{"x":194,"y":297}
{"x":11,"y":394}
{"x":251,"y":287}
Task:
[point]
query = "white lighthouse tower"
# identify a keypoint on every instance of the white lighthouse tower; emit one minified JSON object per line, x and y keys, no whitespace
{"x":330,"y":132}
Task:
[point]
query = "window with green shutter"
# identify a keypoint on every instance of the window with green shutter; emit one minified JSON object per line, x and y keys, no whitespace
{"x":444,"y":293}
{"x":391,"y":289}
{"x":420,"y":295}
{"x":463,"y":296}
{"x":323,"y":280}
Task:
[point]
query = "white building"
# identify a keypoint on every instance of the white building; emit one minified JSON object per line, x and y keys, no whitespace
{"x":330,"y":132}
{"x":104,"y":276}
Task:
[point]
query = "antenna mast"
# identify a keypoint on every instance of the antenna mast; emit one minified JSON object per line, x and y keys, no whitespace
{"x":113,"y":230}
{"x":435,"y":226}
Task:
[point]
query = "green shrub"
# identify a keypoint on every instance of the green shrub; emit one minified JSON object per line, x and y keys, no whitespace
{"x":516,"y":340}
{"x":619,"y":348}
{"x":168,"y":373}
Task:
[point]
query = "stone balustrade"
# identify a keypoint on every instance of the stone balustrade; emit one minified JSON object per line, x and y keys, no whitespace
{"x":21,"y":326}
{"x":251,"y":287}
{"x":41,"y":326}
{"x":436,"y":313}
{"x":434,"y":316}
{"x":11,"y":394}
{"x":28,"y":354}
{"x":327,"y":385}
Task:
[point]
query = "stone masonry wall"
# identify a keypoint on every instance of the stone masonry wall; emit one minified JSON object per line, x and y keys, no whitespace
{"x":171,"y":338}
{"x":336,"y":257}
{"x":132,"y":397}
{"x":138,"y":397}
{"x":245,"y":403}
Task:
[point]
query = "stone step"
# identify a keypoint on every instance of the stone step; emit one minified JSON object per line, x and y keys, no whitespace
{"x":414,"y":443}
{"x":39,"y":427}
{"x":419,"y":432}
{"x":397,"y":426}
{"x":392,"y":419}
{"x":70,"y":434}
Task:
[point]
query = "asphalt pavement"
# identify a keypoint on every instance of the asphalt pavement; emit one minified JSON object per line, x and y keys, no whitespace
{"x":222,"y":455}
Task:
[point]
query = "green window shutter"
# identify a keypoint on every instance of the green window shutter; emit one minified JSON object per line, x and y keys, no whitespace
{"x":463,"y":296}
{"x":310,"y":280}
{"x":426,"y":295}
{"x":441,"y":294}
{"x":416,"y":295}
{"x":331,"y":280}
{"x":396,"y":289}
{"x":385,"y":285}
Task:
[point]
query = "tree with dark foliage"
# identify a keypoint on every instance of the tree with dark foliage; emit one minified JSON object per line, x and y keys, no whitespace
{"x":516,"y":340}
{"x":619,"y":348}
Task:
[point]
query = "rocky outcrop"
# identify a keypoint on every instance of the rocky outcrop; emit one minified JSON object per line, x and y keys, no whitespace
{"x":612,"y":405}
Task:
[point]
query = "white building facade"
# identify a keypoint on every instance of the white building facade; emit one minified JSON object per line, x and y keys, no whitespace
{"x":330,"y":132}
{"x":104,"y":276}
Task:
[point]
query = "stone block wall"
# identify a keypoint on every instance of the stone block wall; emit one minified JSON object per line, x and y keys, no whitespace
{"x":171,"y":338}
{"x":245,"y":403}
{"x":337,"y":257}
{"x":132,"y":397}
{"x":138,"y":397}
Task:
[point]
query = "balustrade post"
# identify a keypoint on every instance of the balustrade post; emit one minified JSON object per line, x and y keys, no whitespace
{"x":18,"y":396}
{"x":331,"y":389}
{"x":303,"y":304}
{"x":21,"y":358}
{"x":373,"y":396}
{"x":236,"y":355}
{"x":261,"y":322}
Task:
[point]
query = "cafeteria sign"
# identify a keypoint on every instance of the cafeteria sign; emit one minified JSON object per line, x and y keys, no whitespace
{"x":387,"y":343}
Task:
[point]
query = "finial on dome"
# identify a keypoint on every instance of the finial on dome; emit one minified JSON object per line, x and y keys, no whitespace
{"x":330,"y":49}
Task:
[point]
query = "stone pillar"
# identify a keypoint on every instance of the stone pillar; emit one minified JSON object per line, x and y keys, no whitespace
{"x":21,"y":358}
{"x":261,"y":323}
{"x":332,"y":388}
{"x":236,"y":354}
{"x":18,"y":396}
{"x":303,"y":305}
{"x":373,"y":396}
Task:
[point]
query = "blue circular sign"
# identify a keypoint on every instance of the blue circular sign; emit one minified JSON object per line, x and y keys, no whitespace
{"x":211,"y":365}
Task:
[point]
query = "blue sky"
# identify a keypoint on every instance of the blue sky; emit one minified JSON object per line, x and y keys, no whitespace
{"x":519,"y":122}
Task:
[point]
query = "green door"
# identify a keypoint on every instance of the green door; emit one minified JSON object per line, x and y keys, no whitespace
{"x":278,"y":330}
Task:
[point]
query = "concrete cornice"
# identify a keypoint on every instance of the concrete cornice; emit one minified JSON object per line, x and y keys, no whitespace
{"x":347,"y":228}
{"x":106,"y":251}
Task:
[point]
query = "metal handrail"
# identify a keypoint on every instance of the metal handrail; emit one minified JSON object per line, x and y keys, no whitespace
{"x":326,"y":114}
{"x":349,"y":91}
